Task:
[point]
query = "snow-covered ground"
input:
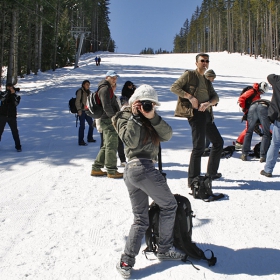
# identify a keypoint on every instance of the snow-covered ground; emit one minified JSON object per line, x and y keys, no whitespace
{"x":59,"y":223}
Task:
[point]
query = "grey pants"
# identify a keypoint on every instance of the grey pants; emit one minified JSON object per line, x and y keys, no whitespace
{"x":144,"y":181}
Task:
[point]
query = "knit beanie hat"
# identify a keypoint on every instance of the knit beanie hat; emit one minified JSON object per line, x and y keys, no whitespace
{"x":210,"y":73}
{"x":144,"y":92}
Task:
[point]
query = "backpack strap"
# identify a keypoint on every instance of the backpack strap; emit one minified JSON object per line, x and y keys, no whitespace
{"x":263,"y":101}
{"x":212,"y":260}
{"x":185,"y":259}
{"x":150,"y":236}
{"x":160,"y":163}
{"x":246,"y":110}
{"x":251,"y":97}
{"x":147,"y":251}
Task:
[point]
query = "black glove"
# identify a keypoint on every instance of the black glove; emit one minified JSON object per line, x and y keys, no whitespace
{"x":258,"y":130}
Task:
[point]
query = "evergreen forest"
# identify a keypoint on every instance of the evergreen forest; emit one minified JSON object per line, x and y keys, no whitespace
{"x":244,"y":26}
{"x":39,"y":35}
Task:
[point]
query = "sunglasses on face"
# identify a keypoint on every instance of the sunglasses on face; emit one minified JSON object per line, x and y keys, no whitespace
{"x":202,"y":60}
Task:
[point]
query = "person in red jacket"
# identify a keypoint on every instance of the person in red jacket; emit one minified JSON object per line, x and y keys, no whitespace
{"x":252,"y":94}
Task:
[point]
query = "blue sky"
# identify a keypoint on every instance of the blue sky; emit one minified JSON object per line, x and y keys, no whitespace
{"x":139,"y":24}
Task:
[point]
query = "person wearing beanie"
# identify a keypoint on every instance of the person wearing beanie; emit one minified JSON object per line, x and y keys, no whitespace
{"x":210,"y":75}
{"x":196,"y":97}
{"x":81,"y":100}
{"x":8,"y":112}
{"x":107,"y":155}
{"x":141,"y":129}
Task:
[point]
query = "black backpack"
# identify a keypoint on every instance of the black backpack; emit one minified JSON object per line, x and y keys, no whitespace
{"x":182,"y":232}
{"x":257,"y":150}
{"x":93,"y":108}
{"x":226,"y":153}
{"x":201,"y":187}
{"x":71,"y":104}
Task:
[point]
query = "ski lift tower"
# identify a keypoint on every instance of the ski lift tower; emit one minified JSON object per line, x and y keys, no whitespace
{"x":79,"y":32}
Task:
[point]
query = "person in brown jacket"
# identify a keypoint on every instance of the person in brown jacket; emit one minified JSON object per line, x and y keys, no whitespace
{"x":196,"y":96}
{"x":81,"y":100}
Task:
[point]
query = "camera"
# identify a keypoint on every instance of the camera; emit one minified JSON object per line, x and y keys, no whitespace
{"x":4,"y":95}
{"x":147,"y":105}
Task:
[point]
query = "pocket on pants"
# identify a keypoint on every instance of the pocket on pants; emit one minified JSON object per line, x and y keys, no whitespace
{"x":136,"y":172}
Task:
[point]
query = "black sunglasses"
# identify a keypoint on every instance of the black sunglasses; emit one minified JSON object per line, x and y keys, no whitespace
{"x":207,"y":61}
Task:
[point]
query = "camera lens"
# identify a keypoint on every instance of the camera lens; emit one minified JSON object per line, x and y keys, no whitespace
{"x":147,"y":106}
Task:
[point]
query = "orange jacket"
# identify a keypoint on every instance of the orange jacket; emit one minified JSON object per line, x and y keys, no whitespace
{"x":247,"y":94}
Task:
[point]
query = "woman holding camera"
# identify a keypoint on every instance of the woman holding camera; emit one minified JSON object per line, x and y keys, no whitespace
{"x":141,"y":129}
{"x":8,"y":112}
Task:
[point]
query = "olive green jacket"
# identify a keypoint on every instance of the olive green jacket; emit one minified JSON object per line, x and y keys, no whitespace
{"x":132,"y":133}
{"x":188,"y":82}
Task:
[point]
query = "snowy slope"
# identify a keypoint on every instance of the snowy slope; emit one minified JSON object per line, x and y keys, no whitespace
{"x":59,"y":223}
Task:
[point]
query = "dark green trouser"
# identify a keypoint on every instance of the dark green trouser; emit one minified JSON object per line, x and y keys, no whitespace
{"x":107,"y":155}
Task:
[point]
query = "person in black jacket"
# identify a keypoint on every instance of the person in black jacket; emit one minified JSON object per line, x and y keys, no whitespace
{"x":128,"y":89}
{"x":274,"y":116}
{"x":8,"y":112}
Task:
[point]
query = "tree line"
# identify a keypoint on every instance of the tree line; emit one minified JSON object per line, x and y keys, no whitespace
{"x":38,"y":35}
{"x":245,"y":26}
{"x":151,"y":51}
